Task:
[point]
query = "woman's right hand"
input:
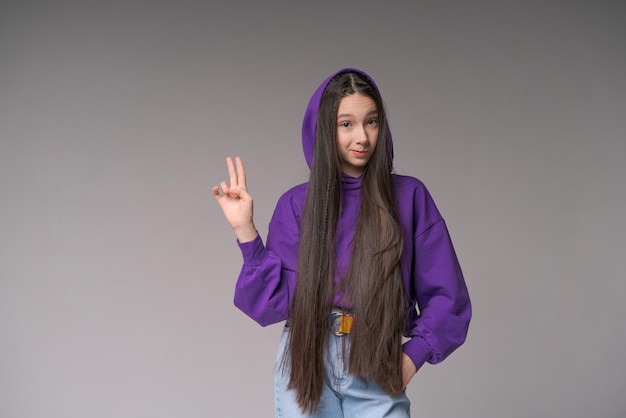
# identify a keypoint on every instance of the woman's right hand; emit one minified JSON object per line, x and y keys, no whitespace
{"x":236,"y":202}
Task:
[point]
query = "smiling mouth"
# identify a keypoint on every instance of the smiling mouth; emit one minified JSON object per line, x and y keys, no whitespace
{"x":359,"y":153}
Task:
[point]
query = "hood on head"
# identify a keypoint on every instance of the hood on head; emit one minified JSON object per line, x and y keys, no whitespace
{"x":310,"y":117}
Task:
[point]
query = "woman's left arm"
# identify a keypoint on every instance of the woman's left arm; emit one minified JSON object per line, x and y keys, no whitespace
{"x":442,"y":299}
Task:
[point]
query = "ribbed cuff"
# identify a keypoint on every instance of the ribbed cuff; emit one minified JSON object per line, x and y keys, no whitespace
{"x":253,"y":251}
{"x":417,"y":349}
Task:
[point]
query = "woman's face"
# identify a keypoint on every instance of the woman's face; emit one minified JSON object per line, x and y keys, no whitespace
{"x":357,"y":132}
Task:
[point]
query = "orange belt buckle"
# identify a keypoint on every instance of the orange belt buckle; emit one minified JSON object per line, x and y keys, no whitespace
{"x":345,"y":323}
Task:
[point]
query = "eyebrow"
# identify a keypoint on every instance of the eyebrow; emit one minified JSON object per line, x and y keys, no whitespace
{"x":345,"y":115}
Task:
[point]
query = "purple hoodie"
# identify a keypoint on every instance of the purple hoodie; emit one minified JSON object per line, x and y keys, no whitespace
{"x":430,"y":270}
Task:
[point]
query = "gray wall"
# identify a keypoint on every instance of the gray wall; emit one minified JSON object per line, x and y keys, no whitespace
{"x":117,"y":268}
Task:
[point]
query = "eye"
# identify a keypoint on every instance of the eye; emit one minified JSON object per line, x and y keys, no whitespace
{"x":345,"y":124}
{"x":372,"y":122}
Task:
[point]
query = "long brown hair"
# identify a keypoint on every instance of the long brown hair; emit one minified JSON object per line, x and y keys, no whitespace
{"x":373,"y":283}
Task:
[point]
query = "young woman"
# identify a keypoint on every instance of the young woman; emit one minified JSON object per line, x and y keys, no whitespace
{"x":355,"y":259}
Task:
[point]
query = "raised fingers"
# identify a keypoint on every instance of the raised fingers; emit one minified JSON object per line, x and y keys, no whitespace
{"x":241,"y":174}
{"x":231,"y":172}
{"x":238,"y":174}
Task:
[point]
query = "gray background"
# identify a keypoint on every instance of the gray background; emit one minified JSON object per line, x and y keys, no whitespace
{"x":117,"y":268}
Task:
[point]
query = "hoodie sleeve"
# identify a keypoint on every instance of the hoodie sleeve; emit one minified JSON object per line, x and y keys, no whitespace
{"x":437,"y":287}
{"x":268,"y":276}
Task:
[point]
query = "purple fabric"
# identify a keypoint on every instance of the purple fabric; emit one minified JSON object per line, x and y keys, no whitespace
{"x":439,"y":309}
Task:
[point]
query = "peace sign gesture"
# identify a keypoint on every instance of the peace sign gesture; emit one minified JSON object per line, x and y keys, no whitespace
{"x":236,"y":202}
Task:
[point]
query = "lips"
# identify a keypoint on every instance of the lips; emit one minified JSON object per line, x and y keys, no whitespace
{"x":359,"y":153}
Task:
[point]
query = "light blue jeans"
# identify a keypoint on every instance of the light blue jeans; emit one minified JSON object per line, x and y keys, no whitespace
{"x":344,"y":395}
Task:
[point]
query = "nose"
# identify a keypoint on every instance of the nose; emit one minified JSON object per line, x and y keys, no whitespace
{"x":362,"y":136}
